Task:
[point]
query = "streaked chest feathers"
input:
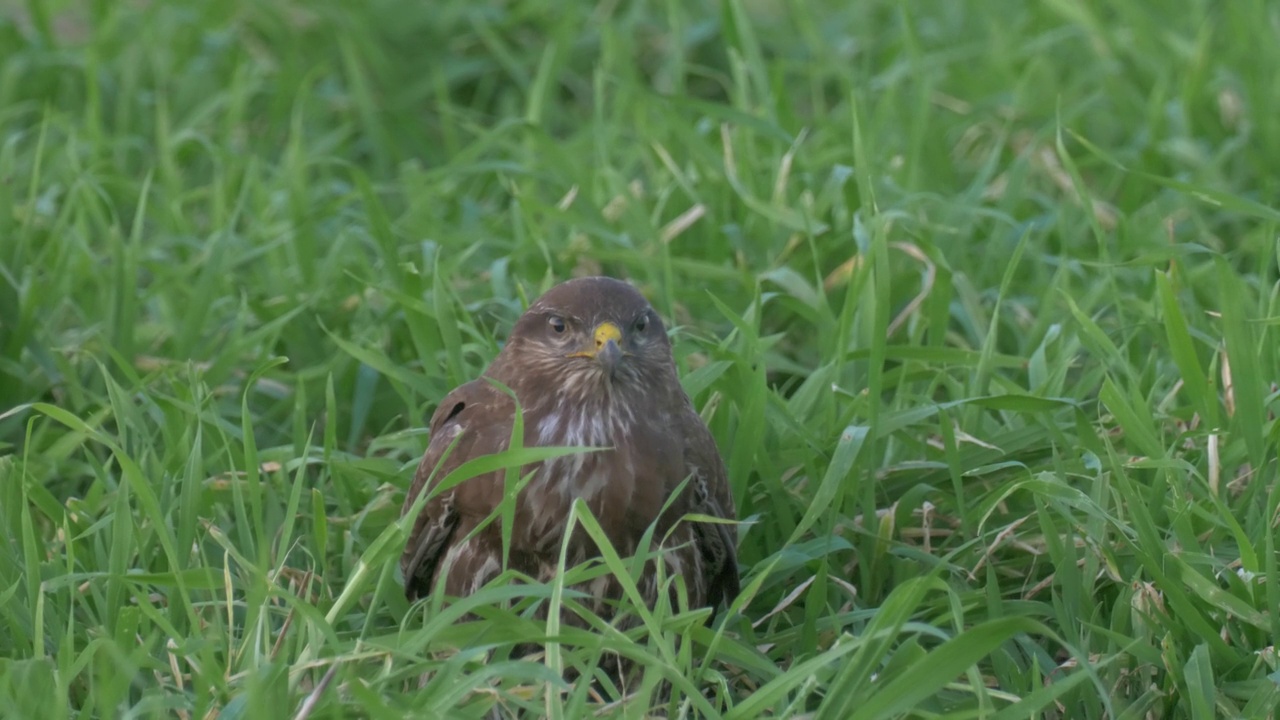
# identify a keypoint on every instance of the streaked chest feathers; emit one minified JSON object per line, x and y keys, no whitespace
{"x":613,"y":482}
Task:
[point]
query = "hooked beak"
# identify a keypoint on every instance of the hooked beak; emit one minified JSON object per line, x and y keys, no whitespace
{"x":606,"y":349}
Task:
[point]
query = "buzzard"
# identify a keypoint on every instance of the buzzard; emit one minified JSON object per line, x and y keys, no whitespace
{"x":591,"y":365}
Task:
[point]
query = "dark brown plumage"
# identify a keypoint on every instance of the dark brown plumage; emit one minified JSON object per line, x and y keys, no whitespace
{"x":591,"y":365}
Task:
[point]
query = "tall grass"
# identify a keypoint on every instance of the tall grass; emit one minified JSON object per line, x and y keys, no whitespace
{"x":979,"y":300}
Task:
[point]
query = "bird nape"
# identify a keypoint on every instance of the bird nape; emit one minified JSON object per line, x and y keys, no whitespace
{"x":591,"y":366}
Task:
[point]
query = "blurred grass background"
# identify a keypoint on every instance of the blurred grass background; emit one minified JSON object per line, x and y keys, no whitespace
{"x":979,"y":300}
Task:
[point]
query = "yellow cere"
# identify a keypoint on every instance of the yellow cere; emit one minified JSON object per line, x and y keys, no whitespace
{"x":605,"y":332}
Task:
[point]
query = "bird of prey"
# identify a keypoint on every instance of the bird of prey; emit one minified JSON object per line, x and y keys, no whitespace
{"x":591,"y":365}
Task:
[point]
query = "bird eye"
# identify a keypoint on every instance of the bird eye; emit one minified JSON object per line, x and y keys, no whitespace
{"x":642,"y":322}
{"x":557,"y":324}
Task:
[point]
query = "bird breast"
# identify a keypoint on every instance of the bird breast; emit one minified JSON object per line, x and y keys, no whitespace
{"x":605,"y":480}
{"x":584,"y":474}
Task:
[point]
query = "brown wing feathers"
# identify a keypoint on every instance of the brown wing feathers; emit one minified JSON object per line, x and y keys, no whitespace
{"x":434,"y":527}
{"x":713,"y":497}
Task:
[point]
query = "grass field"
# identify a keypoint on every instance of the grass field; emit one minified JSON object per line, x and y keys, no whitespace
{"x":980,"y":301}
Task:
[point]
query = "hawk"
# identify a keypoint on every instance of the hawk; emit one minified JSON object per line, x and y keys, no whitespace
{"x":591,"y":366}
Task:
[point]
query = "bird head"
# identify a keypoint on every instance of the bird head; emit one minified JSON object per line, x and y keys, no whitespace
{"x":592,"y":332}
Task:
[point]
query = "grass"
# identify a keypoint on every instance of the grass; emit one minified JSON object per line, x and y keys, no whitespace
{"x":979,"y":300}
